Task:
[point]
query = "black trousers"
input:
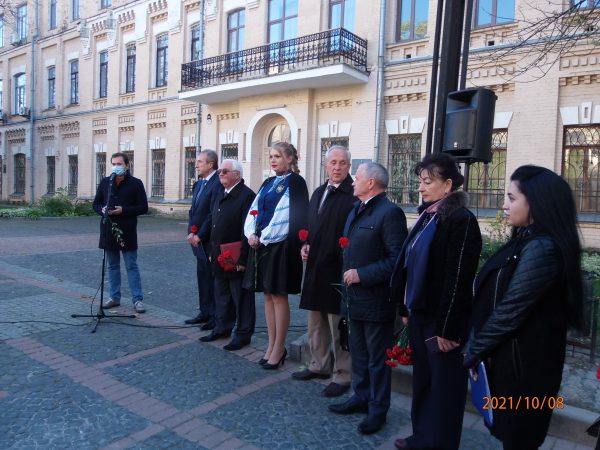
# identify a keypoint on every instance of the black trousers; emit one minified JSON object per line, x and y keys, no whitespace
{"x":234,"y":305}
{"x":206,"y":287}
{"x":439,"y":390}
{"x":371,"y":377}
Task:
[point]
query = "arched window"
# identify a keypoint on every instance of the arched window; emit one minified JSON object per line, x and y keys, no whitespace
{"x":279,"y":133}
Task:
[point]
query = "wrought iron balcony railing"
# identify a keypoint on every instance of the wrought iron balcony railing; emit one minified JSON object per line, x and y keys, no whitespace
{"x":306,"y":52}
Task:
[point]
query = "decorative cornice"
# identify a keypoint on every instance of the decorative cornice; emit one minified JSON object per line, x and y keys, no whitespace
{"x":157,"y":114}
{"x":157,"y":5}
{"x":100,"y":131}
{"x":47,"y":138}
{"x":189,"y":121}
{"x":416,"y":80}
{"x":190,"y":108}
{"x":580,"y":61}
{"x":491,"y":71}
{"x":70,"y":135}
{"x":128,"y":27}
{"x":579,"y":79}
{"x":126,"y":16}
{"x":504,"y":87}
{"x":334,"y":104}
{"x":99,"y":122}
{"x":126,"y":118}
{"x":46,"y":129}
{"x":157,"y":125}
{"x":192,"y":6}
{"x":159,"y":17}
{"x":16,"y":133}
{"x":67,"y":127}
{"x":228,"y":116}
{"x":415,"y":96}
{"x":127,"y":128}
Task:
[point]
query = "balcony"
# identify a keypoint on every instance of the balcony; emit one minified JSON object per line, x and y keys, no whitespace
{"x":328,"y":59}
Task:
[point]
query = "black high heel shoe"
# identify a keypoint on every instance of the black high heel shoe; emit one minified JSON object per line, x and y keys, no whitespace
{"x":262,"y":361}
{"x":268,"y":366}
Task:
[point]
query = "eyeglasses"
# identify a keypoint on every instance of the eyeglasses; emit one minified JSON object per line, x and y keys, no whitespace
{"x":225,"y":171}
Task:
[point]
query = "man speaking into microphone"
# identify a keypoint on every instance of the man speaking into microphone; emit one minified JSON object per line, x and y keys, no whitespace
{"x":125,"y":198}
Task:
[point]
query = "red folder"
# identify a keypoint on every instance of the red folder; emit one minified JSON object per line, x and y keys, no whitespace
{"x":233,"y":250}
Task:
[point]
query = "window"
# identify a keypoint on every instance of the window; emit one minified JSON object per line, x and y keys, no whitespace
{"x":103,"y":74}
{"x":587,"y":4}
{"x":1,"y":30}
{"x":158,"y":173}
{"x":162,"y":47}
{"x":73,"y":174}
{"x":129,"y":154}
{"x":283,"y":20}
{"x":341,"y":14}
{"x":404,"y":152}
{"x":412,"y":19}
{"x":235,"y":38}
{"x":52,"y":15}
{"x":130,"y":69}
{"x":21,"y":26}
{"x":196,"y":43}
{"x":74,"y":9}
{"x":51,"y":86}
{"x":20,"y":173}
{"x":229,"y":151}
{"x":493,"y":12}
{"x":326,"y":144}
{"x":1,"y":102}
{"x":580,"y":166}
{"x":487,"y":181}
{"x":50,"y":175}
{"x":100,"y":167}
{"x":105,"y":3}
{"x":20,"y":82}
{"x":74,"y":88}
{"x":190,"y":171}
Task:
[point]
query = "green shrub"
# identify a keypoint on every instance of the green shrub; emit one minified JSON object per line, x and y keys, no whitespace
{"x":57,"y":206}
{"x":83,"y":208}
{"x":27,"y":213}
{"x":500,"y":231}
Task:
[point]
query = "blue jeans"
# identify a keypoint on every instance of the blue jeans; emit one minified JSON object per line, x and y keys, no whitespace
{"x":113,"y":268}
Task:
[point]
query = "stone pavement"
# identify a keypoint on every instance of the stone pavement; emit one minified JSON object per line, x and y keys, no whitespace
{"x":147,"y":383}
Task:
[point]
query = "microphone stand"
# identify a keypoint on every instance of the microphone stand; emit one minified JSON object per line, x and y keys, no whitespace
{"x":106,"y":236}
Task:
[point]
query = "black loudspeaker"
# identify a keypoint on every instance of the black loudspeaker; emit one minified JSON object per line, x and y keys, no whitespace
{"x":469,"y":124}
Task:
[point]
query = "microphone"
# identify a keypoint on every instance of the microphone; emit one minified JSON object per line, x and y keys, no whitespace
{"x":112,"y":176}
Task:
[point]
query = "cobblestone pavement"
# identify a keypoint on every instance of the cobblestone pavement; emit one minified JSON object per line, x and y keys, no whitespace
{"x":147,"y":383}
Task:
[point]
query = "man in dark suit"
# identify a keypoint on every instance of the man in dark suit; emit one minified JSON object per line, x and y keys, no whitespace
{"x":375,"y":229}
{"x":231,"y":300}
{"x":327,"y":211}
{"x":204,"y":193}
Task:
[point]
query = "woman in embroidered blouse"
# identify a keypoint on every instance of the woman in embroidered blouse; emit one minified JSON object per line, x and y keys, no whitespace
{"x":432,"y":280}
{"x":281,"y":203}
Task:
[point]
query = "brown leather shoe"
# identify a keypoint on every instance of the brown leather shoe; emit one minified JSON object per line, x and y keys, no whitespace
{"x":308,"y":375}
{"x":334,"y":390}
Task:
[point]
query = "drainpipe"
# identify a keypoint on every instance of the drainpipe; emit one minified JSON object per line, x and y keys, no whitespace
{"x":199,"y":110}
{"x":380,"y":62}
{"x":32,"y":99}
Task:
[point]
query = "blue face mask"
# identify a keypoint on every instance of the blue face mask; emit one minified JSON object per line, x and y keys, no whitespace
{"x":119,"y":170}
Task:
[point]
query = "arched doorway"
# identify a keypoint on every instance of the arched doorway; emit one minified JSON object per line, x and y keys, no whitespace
{"x":279,"y":133}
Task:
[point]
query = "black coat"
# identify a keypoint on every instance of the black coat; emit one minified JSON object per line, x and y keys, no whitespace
{"x":200,"y":211}
{"x":376,"y":236}
{"x":448,"y":278}
{"x":519,"y":330}
{"x":324,"y":265}
{"x":228,"y":216}
{"x":131,"y":196}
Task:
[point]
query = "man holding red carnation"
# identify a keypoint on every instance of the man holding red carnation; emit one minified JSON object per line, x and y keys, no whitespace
{"x":327,"y":211}
{"x":375,"y":231}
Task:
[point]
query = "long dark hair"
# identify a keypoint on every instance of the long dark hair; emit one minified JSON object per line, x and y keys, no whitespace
{"x":552,"y":211}
{"x":442,"y":166}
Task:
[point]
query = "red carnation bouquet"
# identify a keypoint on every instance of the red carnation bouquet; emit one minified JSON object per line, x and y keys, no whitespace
{"x":401,"y":353}
{"x":226,"y":261}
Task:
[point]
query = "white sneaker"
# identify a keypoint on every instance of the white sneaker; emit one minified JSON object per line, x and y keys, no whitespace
{"x":111,"y":303}
{"x":139,"y":307}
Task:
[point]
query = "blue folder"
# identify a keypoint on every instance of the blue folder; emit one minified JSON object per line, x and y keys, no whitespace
{"x":480,"y":394}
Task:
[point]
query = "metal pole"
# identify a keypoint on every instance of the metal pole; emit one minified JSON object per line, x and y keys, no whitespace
{"x":199,"y":110}
{"x":32,"y":101}
{"x":380,"y":80}
{"x":466,"y":44}
{"x":434,"y":76}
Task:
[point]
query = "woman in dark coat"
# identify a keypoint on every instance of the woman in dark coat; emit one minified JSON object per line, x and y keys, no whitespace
{"x":525,"y":297}
{"x":275,"y":266}
{"x":435,"y":272}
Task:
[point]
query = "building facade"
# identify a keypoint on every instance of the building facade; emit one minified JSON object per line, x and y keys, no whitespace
{"x":312,"y":72}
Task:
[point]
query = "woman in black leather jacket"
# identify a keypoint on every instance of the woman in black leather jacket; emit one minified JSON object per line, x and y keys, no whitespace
{"x":526,"y":296}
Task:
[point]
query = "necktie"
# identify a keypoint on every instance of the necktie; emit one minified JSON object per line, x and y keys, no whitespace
{"x":202,"y":184}
{"x":330,"y":189}
{"x":361,"y":208}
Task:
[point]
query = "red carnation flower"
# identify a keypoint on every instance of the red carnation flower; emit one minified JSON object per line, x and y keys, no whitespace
{"x":344,"y":242}
{"x":303,"y":235}
{"x":194,"y":229}
{"x":254,"y":212}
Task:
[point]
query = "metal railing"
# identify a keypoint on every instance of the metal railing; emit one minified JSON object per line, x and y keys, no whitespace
{"x":306,"y":52}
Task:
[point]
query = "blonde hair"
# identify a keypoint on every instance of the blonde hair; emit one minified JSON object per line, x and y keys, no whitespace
{"x":289,"y":151}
